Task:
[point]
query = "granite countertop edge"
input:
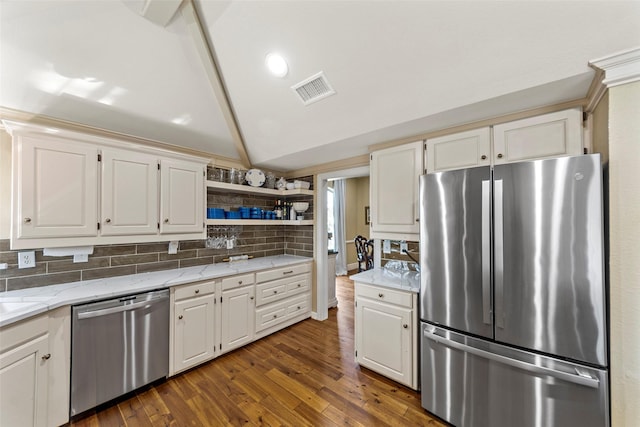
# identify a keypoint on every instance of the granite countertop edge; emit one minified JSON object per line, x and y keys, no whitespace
{"x":394,"y":279}
{"x":34,"y":301}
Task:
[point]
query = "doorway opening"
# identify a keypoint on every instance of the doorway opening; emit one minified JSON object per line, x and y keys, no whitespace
{"x":321,"y":236}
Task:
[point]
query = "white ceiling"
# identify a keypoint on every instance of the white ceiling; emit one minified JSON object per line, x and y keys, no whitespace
{"x":399,"y":68}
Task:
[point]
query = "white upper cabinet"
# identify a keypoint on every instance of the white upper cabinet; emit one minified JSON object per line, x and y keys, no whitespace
{"x":550,"y":135}
{"x":129,"y":193}
{"x":63,"y":195}
{"x":460,"y":150}
{"x":395,"y":174}
{"x":182,"y":194}
{"x":55,"y":188}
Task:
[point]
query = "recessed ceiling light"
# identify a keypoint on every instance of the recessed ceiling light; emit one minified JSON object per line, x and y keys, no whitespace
{"x":277,"y":65}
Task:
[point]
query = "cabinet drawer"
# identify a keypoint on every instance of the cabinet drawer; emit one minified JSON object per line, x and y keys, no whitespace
{"x":298,"y":306}
{"x":278,"y":289}
{"x":388,"y":295}
{"x":270,"y":292}
{"x":195,"y":290}
{"x":236,"y":281}
{"x":270,"y":316}
{"x":278,"y":273}
{"x":301,"y":284}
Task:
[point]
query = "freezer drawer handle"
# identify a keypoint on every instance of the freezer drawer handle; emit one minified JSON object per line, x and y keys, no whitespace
{"x":118,"y":309}
{"x":582,"y":378}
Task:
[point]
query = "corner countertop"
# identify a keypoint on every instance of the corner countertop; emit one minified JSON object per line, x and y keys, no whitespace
{"x":24,"y":303}
{"x":395,"y":279}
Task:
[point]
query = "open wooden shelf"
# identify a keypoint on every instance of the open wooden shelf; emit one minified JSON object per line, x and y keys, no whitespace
{"x":236,"y":188}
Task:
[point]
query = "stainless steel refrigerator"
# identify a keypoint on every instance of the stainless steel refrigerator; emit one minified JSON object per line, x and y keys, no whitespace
{"x":513,"y":304}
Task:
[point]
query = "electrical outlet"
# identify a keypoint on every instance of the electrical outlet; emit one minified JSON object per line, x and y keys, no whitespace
{"x":173,"y":248}
{"x":403,"y":246}
{"x":26,"y":259}
{"x":386,"y":246}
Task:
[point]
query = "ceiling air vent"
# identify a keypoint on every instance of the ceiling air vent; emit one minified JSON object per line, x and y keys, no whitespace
{"x":313,"y":89}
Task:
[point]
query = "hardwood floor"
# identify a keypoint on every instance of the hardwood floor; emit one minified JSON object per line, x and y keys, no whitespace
{"x":304,"y":375}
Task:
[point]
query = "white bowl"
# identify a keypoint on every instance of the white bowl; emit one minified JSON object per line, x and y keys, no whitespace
{"x":300,"y":206}
{"x":302,"y":184}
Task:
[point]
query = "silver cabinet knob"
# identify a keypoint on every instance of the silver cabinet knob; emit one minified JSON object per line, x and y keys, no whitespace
{"x":180,"y":317}
{"x":27,"y":220}
{"x":239,"y":282}
{"x":251,"y":298}
{"x":197,"y":291}
{"x":275,"y":316}
{"x":46,"y":356}
{"x":380,"y":295}
{"x":166,"y":220}
{"x":499,"y":155}
{"x":108,"y":220}
{"x":405,"y":326}
{"x":275,"y":292}
{"x":483,"y":157}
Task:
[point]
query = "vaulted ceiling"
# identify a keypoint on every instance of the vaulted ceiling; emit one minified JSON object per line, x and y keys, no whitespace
{"x":399,"y":68}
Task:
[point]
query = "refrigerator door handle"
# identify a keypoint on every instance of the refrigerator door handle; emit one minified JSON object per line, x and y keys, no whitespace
{"x":486,"y":251}
{"x":498,"y":218}
{"x":581,"y":377}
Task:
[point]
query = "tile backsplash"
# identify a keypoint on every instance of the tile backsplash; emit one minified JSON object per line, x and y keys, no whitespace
{"x":118,"y":260}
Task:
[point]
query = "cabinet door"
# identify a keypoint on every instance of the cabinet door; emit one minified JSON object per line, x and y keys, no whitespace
{"x":194,"y":333}
{"x":57,"y":187}
{"x":550,"y":135}
{"x":395,"y":174}
{"x":238,"y":314}
{"x":23,"y":384}
{"x":459,"y":151}
{"x":182,"y":195}
{"x":384,"y":339}
{"x":129,"y":193}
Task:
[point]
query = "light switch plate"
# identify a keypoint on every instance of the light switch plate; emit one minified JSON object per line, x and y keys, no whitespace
{"x":173,"y":248}
{"x":403,"y":247}
{"x":26,"y":259}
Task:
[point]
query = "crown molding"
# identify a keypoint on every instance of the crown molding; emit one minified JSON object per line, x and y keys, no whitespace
{"x":619,"y":68}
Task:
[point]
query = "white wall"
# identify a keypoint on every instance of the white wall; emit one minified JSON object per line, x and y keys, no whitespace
{"x":624,"y":205}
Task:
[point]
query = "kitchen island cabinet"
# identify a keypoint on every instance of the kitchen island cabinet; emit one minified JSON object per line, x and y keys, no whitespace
{"x":35,"y":370}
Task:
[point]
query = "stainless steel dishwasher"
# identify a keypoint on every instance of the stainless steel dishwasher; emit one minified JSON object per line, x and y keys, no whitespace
{"x":117,"y":346}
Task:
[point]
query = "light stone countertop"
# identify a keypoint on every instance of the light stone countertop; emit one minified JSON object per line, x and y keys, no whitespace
{"x":395,"y":279}
{"x":24,"y":303}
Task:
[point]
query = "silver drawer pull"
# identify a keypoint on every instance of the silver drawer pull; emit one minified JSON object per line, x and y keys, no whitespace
{"x":287,"y":272}
{"x":46,"y":356}
{"x":381,"y":295}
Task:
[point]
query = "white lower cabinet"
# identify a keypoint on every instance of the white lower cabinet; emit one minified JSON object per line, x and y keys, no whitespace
{"x":386,"y":326}
{"x":34,"y":371}
{"x":238,"y":311}
{"x":283,"y":297}
{"x":194,"y":325}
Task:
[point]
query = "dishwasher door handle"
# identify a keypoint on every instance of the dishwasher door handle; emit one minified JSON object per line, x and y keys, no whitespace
{"x":118,"y":309}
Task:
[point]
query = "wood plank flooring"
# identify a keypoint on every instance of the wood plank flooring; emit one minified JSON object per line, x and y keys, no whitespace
{"x":304,"y":375}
